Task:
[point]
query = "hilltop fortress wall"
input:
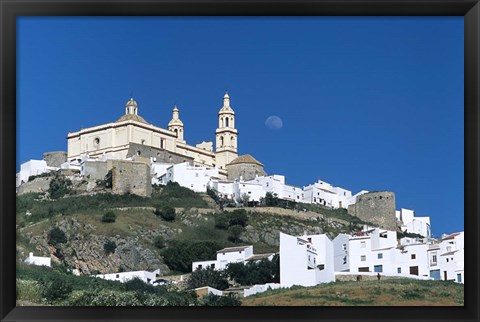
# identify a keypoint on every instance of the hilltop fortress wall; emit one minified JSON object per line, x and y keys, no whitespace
{"x":377,"y":208}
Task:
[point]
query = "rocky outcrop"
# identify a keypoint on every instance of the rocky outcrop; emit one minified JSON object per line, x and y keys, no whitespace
{"x":84,"y":249}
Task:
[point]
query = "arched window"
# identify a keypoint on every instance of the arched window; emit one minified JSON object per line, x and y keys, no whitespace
{"x":176,"y":132}
{"x":221,"y":141}
{"x":226,"y":122}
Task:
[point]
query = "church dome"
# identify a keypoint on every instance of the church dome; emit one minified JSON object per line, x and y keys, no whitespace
{"x":246,"y":158}
{"x":132,"y":117}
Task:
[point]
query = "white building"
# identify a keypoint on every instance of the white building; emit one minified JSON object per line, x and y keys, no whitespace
{"x":32,"y":168}
{"x":412,"y":224}
{"x":225,"y":256}
{"x":306,"y":260}
{"x":145,"y":276}
{"x":195,"y":178}
{"x":254,"y":191}
{"x":38,"y":260}
{"x":325,"y":194}
{"x":275,"y":184}
{"x":224,"y":188}
{"x":450,"y":258}
{"x":372,"y":250}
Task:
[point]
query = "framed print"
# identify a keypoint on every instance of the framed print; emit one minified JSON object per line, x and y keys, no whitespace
{"x":231,"y":161}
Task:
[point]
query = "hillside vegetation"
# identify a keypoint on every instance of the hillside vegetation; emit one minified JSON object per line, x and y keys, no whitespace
{"x":387,"y":292}
{"x":106,"y":233}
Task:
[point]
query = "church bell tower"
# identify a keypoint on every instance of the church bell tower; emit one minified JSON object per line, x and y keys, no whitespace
{"x":226,"y":135}
{"x":176,"y":125}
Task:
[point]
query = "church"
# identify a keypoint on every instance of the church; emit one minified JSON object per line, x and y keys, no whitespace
{"x":131,"y":135}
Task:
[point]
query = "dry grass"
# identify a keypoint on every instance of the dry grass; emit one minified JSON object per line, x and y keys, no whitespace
{"x":402,"y":292}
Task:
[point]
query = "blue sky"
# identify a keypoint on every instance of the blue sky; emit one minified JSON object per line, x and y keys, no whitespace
{"x":372,"y":103}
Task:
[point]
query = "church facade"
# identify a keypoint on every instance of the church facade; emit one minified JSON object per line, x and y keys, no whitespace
{"x":122,"y":138}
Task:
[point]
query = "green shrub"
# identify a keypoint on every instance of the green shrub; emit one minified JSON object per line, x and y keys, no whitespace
{"x":166,"y":213}
{"x":159,"y":242}
{"x":109,"y":217}
{"x":215,"y":300}
{"x":56,"y":236}
{"x":235,"y":232}
{"x":239,"y":217}
{"x":109,"y":247}
{"x":207,"y":277}
{"x":59,"y":187}
{"x":54,"y":290}
{"x":181,"y":254}
{"x":222,"y":221}
{"x":29,"y":291}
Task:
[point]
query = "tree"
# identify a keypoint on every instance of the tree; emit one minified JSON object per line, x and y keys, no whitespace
{"x":222,"y":221}
{"x":167,"y":213}
{"x":271,"y":200}
{"x":238,"y":217}
{"x":244,"y":198}
{"x":235,"y":232}
{"x":260,"y":272}
{"x":109,"y":247}
{"x":109,"y":217}
{"x":207,"y":277}
{"x":55,"y":289}
{"x":180,"y":255}
{"x":56,"y":236}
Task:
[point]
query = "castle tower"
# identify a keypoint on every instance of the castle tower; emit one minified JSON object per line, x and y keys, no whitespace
{"x":176,"y":125}
{"x":226,"y":135}
{"x":131,"y":107}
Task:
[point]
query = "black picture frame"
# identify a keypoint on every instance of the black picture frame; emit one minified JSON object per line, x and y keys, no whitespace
{"x":10,"y":9}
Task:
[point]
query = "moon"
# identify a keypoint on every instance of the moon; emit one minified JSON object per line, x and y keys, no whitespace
{"x":273,"y":122}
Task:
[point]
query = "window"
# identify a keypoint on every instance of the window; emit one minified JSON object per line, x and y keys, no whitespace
{"x":96,"y":141}
{"x":138,"y":152}
{"x":363,"y":244}
{"x":363,"y":258}
{"x":459,"y":278}
{"x":434,"y":258}
{"x":148,"y":280}
{"x":117,"y":276}
{"x":143,"y":141}
{"x":378,"y":268}
{"x":321,"y":267}
{"x":379,"y":255}
{"x":399,"y":270}
{"x":413,"y":256}
{"x":200,"y":266}
{"x":212,"y":265}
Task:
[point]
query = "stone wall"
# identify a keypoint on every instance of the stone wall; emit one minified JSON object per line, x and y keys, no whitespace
{"x":162,"y":156}
{"x":96,"y":170}
{"x":131,"y":177}
{"x":247,"y":171}
{"x":55,"y":159}
{"x":40,"y":184}
{"x":377,"y":208}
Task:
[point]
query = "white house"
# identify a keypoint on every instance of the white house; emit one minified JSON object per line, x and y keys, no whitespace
{"x":195,"y":178}
{"x":225,"y":256}
{"x":325,"y":194}
{"x":412,"y":224}
{"x":450,"y":257}
{"x":38,"y":260}
{"x":306,"y":260}
{"x":275,"y":184}
{"x":31,"y":168}
{"x":145,"y":276}
{"x":224,"y":188}
{"x":252,"y":190}
{"x":260,"y":288}
{"x":371,"y":250}
{"x":159,"y":171}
